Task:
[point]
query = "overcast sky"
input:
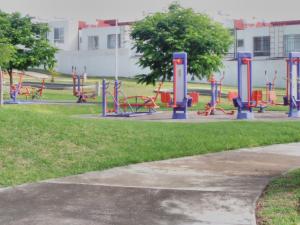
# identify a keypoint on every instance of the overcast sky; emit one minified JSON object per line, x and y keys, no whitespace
{"x":124,"y":10}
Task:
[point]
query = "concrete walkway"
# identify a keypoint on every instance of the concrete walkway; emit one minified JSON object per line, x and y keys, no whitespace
{"x":216,"y":189}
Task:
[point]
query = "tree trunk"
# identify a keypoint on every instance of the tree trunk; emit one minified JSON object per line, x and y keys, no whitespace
{"x":11,"y":80}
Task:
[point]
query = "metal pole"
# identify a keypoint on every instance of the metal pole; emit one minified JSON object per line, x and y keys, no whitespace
{"x":117,"y":52}
{"x":104,"y":99}
{"x":1,"y":87}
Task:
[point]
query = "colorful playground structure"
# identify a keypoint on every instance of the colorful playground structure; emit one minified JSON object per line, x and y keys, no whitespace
{"x":293,"y":84}
{"x":126,"y":106}
{"x":180,"y":101}
{"x":247,"y":99}
{"x":216,"y":95}
{"x":79,"y":88}
{"x":18,"y":89}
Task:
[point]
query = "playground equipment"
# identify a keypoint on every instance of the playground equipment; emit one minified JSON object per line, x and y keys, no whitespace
{"x":15,"y":89}
{"x":79,"y":88}
{"x":244,"y":100}
{"x":126,"y":106}
{"x":247,"y":100}
{"x":292,"y":97}
{"x":270,"y":95}
{"x":166,"y":97}
{"x":37,"y":93}
{"x":270,"y":89}
{"x":27,"y":91}
{"x":216,"y":94}
{"x":180,"y":101}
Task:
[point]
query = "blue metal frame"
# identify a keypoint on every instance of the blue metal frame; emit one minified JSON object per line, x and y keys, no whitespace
{"x":214,"y":95}
{"x":180,"y":111}
{"x":116,"y":96}
{"x":244,"y":111}
{"x":104,"y":106}
{"x":294,"y":110}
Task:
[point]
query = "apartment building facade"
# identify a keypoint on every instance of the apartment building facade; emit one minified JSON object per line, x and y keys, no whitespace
{"x":270,"y":44}
{"x":94,"y":47}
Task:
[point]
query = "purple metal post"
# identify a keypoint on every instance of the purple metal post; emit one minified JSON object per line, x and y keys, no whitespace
{"x":104,"y":99}
{"x":180,"y":111}
{"x":116,"y":96}
{"x":244,"y":111}
{"x":214,"y":95}
{"x":294,"y":111}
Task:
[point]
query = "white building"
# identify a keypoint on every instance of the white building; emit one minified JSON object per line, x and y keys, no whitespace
{"x":270,"y":44}
{"x":64,"y":34}
{"x":93,"y":46}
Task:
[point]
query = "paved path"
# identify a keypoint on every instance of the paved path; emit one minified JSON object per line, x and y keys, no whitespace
{"x":216,"y":189}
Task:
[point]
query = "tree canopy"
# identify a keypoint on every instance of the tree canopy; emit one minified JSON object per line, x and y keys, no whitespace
{"x":27,"y":41}
{"x":157,"y":36}
{"x":6,"y":53}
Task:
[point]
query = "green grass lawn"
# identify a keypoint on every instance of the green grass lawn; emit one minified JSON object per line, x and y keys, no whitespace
{"x":280,"y":205}
{"x":44,"y":141}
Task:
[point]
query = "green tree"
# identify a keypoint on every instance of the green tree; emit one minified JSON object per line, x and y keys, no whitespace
{"x":29,"y":40}
{"x":6,"y":53}
{"x":157,"y":36}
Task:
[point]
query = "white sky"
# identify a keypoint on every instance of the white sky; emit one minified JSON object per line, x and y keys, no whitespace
{"x":125,"y":10}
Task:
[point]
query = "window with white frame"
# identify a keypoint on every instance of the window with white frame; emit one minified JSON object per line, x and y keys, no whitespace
{"x":291,"y":43}
{"x":59,"y":35}
{"x":111,"y":41}
{"x":93,"y":42}
{"x":261,"y":46}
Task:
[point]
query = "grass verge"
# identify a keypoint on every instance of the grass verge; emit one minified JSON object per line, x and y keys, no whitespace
{"x":280,"y":204}
{"x":38,"y":142}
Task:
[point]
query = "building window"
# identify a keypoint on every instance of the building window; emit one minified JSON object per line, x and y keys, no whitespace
{"x":111,"y":41}
{"x":240,"y":43}
{"x":291,"y":43}
{"x":93,"y":42}
{"x":261,"y":46}
{"x":59,"y":35}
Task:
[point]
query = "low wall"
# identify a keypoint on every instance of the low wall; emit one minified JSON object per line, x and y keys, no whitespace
{"x":102,"y":63}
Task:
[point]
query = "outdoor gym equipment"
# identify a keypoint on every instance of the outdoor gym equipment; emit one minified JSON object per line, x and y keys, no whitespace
{"x":37,"y":93}
{"x":247,"y":100}
{"x":216,"y":95}
{"x":293,"y":84}
{"x":244,"y":100}
{"x":15,"y":89}
{"x":270,"y":89}
{"x":27,"y":91}
{"x":180,"y":98}
{"x":126,"y":106}
{"x":270,"y":95}
{"x":79,"y":87}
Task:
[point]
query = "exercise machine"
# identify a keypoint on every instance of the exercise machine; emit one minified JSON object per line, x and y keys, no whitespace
{"x":79,"y":88}
{"x":244,"y":102}
{"x":180,"y":97}
{"x":293,"y":84}
{"x":216,"y":96}
{"x":126,"y":106}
